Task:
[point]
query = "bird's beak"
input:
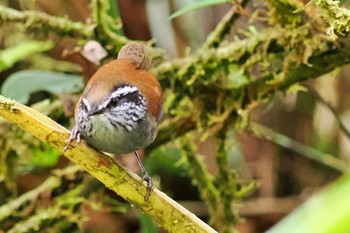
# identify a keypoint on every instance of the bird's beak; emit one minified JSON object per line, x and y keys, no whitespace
{"x":95,"y":111}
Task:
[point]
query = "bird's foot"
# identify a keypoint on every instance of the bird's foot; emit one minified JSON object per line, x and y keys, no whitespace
{"x":74,"y":135}
{"x":150,"y":185}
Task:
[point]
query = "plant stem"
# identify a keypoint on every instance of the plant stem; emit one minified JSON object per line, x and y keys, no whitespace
{"x":326,"y":159}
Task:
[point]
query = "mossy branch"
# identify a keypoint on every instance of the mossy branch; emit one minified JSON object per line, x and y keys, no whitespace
{"x":217,"y":192}
{"x":338,"y":17}
{"x":8,"y":209}
{"x":197,"y":68}
{"x":36,"y":211}
{"x":160,"y":207}
{"x":200,"y":175}
{"x":42,"y":21}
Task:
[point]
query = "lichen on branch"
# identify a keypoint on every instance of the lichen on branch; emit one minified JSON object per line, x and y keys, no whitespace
{"x":337,"y":17}
{"x":46,"y":23}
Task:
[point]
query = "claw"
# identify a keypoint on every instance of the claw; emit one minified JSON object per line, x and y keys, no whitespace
{"x":74,"y":135}
{"x":150,"y":185}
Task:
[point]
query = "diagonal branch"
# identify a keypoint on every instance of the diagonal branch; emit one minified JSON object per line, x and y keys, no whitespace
{"x":165,"y":211}
{"x":328,"y":105}
{"x":326,"y":159}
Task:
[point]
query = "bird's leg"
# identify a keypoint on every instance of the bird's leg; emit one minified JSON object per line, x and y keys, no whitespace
{"x":74,"y":135}
{"x":145,"y":176}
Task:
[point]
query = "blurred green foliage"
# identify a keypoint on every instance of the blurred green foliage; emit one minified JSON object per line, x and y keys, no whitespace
{"x":15,"y":53}
{"x":210,"y":95}
{"x":326,"y":212}
{"x":20,"y":85}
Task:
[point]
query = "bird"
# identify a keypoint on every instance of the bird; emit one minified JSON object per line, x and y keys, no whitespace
{"x":121,"y":107}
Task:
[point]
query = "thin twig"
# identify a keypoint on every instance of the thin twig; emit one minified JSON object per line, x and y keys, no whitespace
{"x":223,"y":27}
{"x":326,"y":159}
{"x":332,"y":110}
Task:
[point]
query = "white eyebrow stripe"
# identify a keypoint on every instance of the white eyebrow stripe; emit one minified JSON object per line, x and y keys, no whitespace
{"x":87,"y":104}
{"x":119,"y":92}
{"x":123,"y":91}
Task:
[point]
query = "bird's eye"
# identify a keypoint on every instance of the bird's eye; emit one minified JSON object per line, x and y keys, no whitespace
{"x":113,"y":102}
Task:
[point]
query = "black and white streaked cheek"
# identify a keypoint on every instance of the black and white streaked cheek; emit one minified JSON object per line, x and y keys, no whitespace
{"x":139,"y":109}
{"x":128,"y":115}
{"x":84,"y":122}
{"x":121,"y":117}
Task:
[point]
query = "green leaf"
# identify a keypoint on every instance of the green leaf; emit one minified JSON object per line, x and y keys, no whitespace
{"x":147,"y":225}
{"x":236,"y":77}
{"x":196,"y":5}
{"x":22,"y":50}
{"x":326,"y":212}
{"x":164,"y":157}
{"x":20,"y":85}
{"x":44,"y":157}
